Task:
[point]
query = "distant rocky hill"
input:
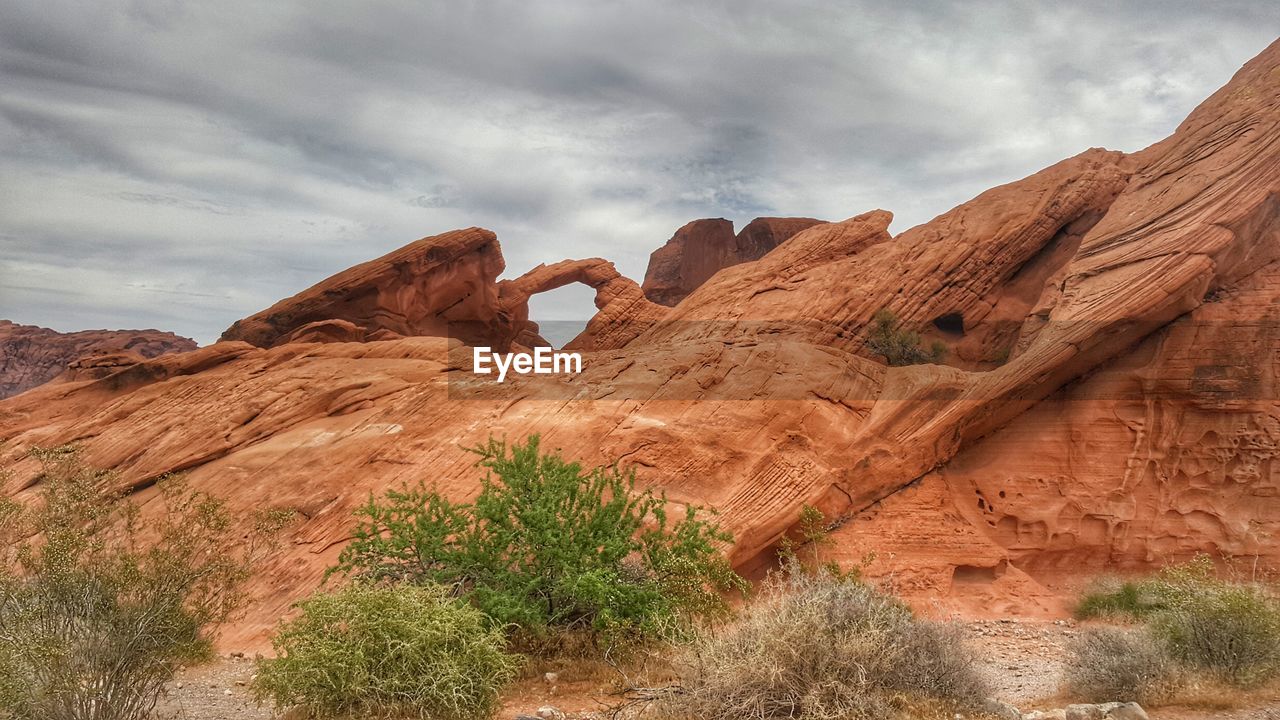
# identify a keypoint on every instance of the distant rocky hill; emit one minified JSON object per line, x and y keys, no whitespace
{"x":31,"y":356}
{"x":1108,"y":400}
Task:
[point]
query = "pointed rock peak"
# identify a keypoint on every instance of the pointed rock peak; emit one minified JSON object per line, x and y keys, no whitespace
{"x":702,"y":248}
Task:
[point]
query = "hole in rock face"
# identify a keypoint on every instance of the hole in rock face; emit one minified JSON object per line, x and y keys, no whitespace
{"x":1001,"y":493}
{"x":951,"y":323}
{"x":973,"y":574}
{"x":562,"y":313}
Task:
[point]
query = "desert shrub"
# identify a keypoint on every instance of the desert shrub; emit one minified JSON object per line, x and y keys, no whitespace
{"x":1198,"y":622}
{"x":1232,"y":631}
{"x":1143,"y":598}
{"x":548,"y":545}
{"x":402,"y":652}
{"x":96,"y":611}
{"x":1108,"y":664}
{"x":1127,"y":600}
{"x":899,"y":346}
{"x":819,"y":647}
{"x":801,"y":552}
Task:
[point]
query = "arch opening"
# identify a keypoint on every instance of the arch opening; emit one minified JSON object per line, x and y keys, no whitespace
{"x":562,"y":313}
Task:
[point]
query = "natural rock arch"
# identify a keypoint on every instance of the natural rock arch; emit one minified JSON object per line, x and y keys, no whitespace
{"x":622,"y":311}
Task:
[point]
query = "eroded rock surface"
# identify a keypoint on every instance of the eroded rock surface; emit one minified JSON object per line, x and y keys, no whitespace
{"x":439,"y":285}
{"x":1108,"y":401}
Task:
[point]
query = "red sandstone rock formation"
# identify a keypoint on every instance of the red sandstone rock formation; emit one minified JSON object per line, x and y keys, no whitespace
{"x":1109,"y":400}
{"x":31,"y":356}
{"x":623,"y":311}
{"x":703,"y":247}
{"x":438,"y":285}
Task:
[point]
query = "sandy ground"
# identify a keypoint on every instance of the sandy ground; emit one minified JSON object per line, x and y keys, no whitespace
{"x":1023,"y":659}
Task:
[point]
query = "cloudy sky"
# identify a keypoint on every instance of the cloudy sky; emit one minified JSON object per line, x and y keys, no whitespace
{"x":179,"y":165}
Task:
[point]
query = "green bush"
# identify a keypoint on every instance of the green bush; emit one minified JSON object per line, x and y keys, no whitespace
{"x":1143,"y":598}
{"x":1116,"y":665}
{"x":549,"y":546}
{"x":383,"y":652}
{"x":899,"y":346}
{"x":97,"y":612}
{"x":825,"y":647}
{"x":1232,"y":631}
{"x":1131,"y":600}
{"x":1229,"y":630}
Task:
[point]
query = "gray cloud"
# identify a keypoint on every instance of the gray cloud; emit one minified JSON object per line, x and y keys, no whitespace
{"x":181,"y":165}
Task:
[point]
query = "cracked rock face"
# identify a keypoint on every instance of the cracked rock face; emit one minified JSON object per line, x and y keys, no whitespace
{"x":1108,"y":399}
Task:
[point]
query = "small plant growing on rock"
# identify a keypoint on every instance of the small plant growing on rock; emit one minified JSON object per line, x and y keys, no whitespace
{"x":97,"y":611}
{"x":388,"y":652}
{"x":899,"y":346}
{"x":814,"y":534}
{"x":550,"y":547}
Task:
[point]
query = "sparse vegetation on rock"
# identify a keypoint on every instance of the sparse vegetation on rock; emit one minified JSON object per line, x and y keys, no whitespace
{"x":899,"y":346}
{"x":801,"y":553}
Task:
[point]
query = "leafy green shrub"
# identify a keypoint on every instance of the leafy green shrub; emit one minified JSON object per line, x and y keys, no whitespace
{"x":899,"y":346}
{"x":96,"y":613}
{"x":1201,"y":624}
{"x":547,"y":545}
{"x":824,"y":647}
{"x":814,"y":533}
{"x":404,"y":651}
{"x":1112,"y":664}
{"x":1143,"y":598}
{"x":1232,"y":631}
{"x":1131,"y":600}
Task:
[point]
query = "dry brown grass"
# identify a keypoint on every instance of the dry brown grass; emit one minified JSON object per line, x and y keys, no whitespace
{"x":1204,"y":693}
{"x":577,"y":656}
{"x":1106,"y":664}
{"x":1209,"y":694}
{"x":821,"y":648}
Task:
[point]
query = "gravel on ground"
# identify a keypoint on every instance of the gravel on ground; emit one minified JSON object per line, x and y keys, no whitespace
{"x":1023,"y":659}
